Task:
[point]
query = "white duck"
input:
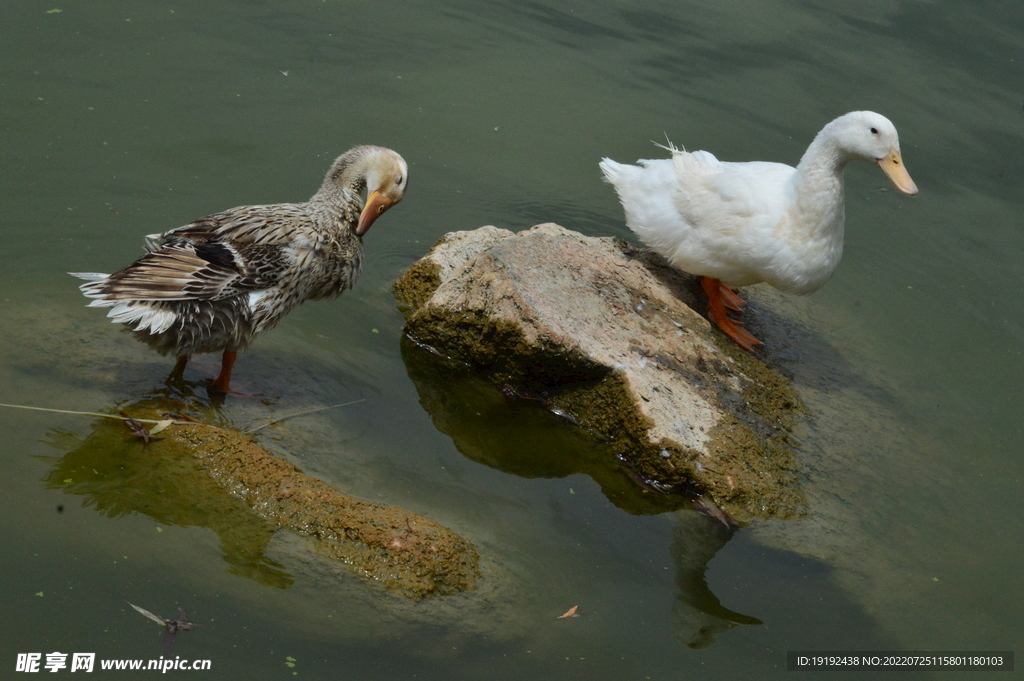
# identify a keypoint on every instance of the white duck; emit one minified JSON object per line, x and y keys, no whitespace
{"x":736,"y":224}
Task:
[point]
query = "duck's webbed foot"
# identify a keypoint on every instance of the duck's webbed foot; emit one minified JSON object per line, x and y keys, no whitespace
{"x":721,"y":297}
{"x":730,"y":299}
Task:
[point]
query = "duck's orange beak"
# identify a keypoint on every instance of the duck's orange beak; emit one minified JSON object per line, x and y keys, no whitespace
{"x":892,"y":165}
{"x":376,"y":204}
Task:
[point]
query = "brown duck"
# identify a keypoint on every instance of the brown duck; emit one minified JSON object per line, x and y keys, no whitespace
{"x":219,"y":282}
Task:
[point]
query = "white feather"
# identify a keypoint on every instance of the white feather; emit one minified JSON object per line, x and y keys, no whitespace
{"x":152,"y":242}
{"x":159,"y":321}
{"x":256,"y":296}
{"x":144,"y":317}
{"x":89,"y":276}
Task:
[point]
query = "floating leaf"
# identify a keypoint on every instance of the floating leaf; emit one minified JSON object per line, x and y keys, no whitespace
{"x":159,"y":620}
{"x":571,"y":612}
{"x":160,"y":426}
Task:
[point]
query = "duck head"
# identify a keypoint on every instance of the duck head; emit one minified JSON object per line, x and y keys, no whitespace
{"x":384,"y":174}
{"x":872,"y":137}
{"x":387,"y":176}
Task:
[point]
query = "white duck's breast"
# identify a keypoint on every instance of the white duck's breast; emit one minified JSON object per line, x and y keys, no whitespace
{"x":806,"y":260}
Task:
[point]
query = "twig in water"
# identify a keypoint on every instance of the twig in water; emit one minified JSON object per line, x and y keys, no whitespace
{"x":300,"y":413}
{"x":91,"y":413}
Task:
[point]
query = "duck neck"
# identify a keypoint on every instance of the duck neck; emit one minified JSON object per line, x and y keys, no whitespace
{"x":818,"y":188}
{"x":340,"y":195}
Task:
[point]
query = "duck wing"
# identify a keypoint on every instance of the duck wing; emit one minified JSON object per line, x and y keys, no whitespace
{"x":730,"y":197}
{"x":181,"y":270}
{"x":217,"y":257}
{"x":731,"y":212}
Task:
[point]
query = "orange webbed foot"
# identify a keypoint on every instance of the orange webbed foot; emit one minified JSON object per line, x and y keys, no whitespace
{"x":735,"y":330}
{"x":730,"y":299}
{"x":721,"y":297}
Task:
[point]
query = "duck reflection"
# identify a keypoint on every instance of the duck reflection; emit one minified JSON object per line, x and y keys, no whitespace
{"x":524,"y":437}
{"x":519,"y":434}
{"x":119,"y":474}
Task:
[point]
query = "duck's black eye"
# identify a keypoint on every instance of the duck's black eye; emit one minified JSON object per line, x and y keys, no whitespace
{"x":399,"y":180}
{"x":874,"y":131}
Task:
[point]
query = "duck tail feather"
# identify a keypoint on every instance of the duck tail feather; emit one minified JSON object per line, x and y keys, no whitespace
{"x":89,"y":276}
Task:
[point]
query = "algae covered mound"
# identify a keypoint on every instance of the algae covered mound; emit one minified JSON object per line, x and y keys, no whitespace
{"x":196,"y":474}
{"x":608,"y":334}
{"x":388,"y":544}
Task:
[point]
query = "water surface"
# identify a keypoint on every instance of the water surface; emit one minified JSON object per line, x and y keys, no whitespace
{"x":121,"y":119}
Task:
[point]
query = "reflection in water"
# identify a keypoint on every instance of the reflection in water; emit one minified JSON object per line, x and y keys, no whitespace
{"x":152,"y":120}
{"x":522,"y":438}
{"x":118,"y":474}
{"x":699,"y":615}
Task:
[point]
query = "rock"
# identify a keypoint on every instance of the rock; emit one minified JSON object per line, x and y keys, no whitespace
{"x":203,"y":475}
{"x":402,"y":550}
{"x":606,"y":334}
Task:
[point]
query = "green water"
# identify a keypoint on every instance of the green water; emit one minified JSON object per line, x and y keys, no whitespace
{"x":121,"y":119}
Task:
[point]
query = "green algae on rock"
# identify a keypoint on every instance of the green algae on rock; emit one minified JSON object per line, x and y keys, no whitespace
{"x":609,"y":334}
{"x":400,"y":549}
{"x":200,"y":474}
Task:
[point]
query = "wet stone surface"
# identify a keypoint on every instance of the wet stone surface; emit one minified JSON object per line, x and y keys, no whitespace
{"x":606,"y":335}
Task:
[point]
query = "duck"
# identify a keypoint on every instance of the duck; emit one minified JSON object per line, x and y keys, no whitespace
{"x":738,"y":224}
{"x":216,"y":284}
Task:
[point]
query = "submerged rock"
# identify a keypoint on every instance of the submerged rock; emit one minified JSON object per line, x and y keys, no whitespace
{"x":606,"y":335}
{"x":198,"y":474}
{"x":400,"y":549}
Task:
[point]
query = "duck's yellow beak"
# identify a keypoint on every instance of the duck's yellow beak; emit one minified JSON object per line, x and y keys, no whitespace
{"x":892,"y":165}
{"x":376,"y":204}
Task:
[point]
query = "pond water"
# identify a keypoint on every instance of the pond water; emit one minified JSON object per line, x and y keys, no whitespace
{"x":120,"y":119}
